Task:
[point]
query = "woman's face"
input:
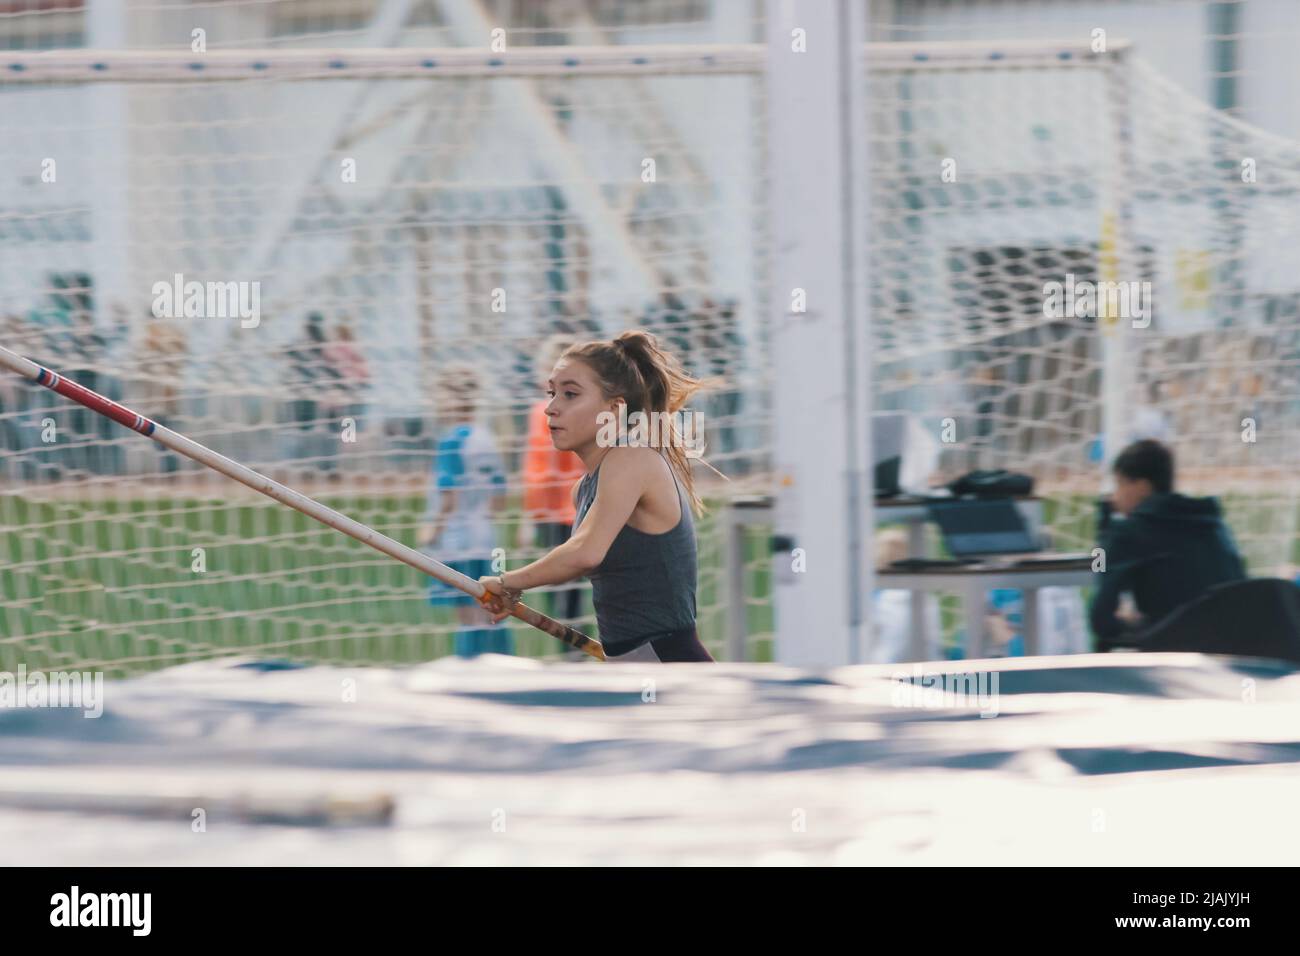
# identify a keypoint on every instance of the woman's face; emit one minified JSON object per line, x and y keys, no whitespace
{"x":576,"y":402}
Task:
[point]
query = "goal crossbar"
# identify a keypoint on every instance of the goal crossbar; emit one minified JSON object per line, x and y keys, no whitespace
{"x":172,"y":66}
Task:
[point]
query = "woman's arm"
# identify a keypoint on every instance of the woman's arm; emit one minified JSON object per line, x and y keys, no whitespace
{"x":621,"y":486}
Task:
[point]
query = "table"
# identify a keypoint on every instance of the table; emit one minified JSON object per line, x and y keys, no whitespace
{"x":973,"y":582}
{"x":907,"y":510}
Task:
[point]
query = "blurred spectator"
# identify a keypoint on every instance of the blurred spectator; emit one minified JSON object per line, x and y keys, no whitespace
{"x":349,"y":374}
{"x":162,"y":367}
{"x":1167,"y":551}
{"x":313,"y":378}
{"x":93,"y":441}
{"x":468,"y":487}
{"x":705,"y":335}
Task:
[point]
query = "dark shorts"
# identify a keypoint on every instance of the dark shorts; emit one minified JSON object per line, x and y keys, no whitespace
{"x":672,"y":648}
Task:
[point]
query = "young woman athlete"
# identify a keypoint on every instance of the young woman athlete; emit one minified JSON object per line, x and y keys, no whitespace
{"x":634,"y":533}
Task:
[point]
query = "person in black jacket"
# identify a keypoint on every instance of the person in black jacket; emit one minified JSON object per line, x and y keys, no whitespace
{"x":1168,"y":550}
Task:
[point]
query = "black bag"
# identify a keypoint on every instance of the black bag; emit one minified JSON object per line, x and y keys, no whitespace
{"x":993,"y":484}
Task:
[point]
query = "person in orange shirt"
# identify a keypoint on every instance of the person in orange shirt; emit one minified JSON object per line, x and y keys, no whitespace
{"x":549,"y":477}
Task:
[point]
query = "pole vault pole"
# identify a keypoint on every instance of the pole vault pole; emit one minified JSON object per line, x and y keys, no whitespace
{"x":287,"y":496}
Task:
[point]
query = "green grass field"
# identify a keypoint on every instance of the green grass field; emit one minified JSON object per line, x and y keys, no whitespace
{"x":111,"y":584}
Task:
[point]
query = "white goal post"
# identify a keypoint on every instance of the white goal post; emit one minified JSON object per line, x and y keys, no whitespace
{"x":994,"y":170}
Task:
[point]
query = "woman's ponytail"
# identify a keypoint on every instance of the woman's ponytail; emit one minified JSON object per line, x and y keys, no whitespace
{"x":650,"y":381}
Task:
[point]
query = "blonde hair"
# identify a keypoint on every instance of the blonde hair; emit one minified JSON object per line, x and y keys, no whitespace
{"x":633,"y":367}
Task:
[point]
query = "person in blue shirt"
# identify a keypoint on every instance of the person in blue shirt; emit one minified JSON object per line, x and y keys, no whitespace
{"x":467,"y":490}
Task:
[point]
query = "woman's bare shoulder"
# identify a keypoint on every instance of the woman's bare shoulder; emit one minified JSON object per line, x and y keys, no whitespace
{"x":646,"y":467}
{"x":635,"y":457}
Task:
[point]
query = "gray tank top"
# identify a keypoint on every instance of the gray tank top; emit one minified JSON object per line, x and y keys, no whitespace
{"x":645,"y":586}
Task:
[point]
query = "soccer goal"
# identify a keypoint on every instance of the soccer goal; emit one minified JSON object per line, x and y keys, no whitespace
{"x":279,"y":253}
{"x":1070,"y":252}
{"x":1066,"y":250}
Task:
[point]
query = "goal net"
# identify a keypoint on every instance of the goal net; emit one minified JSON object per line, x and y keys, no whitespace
{"x":390,"y":215}
{"x":1067,"y":247}
{"x":282,"y":254}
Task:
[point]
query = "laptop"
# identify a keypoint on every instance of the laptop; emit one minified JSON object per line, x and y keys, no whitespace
{"x":973,"y":528}
{"x":992,"y":528}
